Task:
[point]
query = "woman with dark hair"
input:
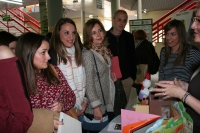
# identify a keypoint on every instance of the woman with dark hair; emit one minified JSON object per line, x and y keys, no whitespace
{"x":66,"y":53}
{"x":99,"y":82}
{"x":46,"y":88}
{"x":178,"y":59}
{"x":8,"y":39}
{"x":187,"y":92}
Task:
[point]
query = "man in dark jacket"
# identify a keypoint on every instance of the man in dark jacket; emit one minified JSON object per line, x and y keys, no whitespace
{"x":121,"y":44}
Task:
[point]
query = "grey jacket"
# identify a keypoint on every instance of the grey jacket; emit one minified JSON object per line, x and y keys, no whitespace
{"x":93,"y":90}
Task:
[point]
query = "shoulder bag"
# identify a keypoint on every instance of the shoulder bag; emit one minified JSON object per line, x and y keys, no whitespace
{"x":72,"y":111}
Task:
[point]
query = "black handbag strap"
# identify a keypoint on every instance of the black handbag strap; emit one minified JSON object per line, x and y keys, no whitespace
{"x":99,"y":79}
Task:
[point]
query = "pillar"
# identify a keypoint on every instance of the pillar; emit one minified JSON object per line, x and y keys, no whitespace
{"x":139,"y":11}
{"x":54,"y":12}
{"x":82,"y":14}
{"x":115,"y":5}
{"x":43,"y":17}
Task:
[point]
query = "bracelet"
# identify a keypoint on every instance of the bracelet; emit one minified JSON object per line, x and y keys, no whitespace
{"x":185,"y":96}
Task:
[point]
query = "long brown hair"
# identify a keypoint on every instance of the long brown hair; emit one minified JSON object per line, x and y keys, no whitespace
{"x":183,"y":47}
{"x":57,"y":47}
{"x":87,"y":37}
{"x":27,"y":46}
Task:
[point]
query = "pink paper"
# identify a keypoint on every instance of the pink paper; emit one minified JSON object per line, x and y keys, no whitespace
{"x":115,"y":67}
{"x":130,"y":117}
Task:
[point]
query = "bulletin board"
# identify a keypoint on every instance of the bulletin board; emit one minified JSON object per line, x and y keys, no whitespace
{"x":185,"y":17}
{"x":142,"y":24}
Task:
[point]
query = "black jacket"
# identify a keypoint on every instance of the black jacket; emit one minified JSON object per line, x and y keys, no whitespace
{"x":123,"y":46}
{"x":144,"y":52}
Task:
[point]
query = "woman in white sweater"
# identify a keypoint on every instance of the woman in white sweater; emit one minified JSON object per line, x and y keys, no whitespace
{"x":66,"y":54}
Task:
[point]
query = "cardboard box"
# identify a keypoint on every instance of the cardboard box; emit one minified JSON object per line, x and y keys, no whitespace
{"x":160,"y":107}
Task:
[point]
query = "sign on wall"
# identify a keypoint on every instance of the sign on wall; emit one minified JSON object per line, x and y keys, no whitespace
{"x":5,"y":17}
{"x":142,"y":24}
{"x":185,"y":17}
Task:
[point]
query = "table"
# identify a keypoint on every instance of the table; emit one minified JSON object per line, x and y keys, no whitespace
{"x":118,"y":120}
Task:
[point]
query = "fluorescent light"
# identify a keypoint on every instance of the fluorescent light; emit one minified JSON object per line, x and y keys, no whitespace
{"x":19,"y":2}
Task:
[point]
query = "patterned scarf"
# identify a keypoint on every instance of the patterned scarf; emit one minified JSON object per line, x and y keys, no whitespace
{"x":102,"y":51}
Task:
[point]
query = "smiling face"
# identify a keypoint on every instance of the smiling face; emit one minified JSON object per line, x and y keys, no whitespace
{"x":41,"y":57}
{"x":97,"y":35}
{"x":67,"y":34}
{"x":172,"y":39}
{"x":196,"y":26}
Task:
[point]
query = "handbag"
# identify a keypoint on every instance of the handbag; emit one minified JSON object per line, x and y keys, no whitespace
{"x":141,"y":72}
{"x":72,"y":111}
{"x":120,"y":97}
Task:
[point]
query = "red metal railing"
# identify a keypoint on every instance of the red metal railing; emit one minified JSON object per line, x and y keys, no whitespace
{"x":159,"y":24}
{"x":22,"y":19}
{"x":8,"y":27}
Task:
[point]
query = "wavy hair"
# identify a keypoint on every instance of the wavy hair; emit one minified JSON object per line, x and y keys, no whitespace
{"x":57,"y":47}
{"x":27,"y":46}
{"x":87,"y":36}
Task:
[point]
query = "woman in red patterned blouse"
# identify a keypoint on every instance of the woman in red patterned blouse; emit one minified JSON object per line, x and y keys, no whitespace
{"x":46,"y":88}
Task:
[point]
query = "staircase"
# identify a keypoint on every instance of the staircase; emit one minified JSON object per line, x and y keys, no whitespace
{"x":19,"y":23}
{"x":158,"y":25}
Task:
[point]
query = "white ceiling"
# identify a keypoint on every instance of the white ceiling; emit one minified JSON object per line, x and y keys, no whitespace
{"x":73,"y":9}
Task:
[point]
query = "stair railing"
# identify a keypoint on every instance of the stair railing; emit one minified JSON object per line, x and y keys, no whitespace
{"x":159,"y":24}
{"x":26,"y":19}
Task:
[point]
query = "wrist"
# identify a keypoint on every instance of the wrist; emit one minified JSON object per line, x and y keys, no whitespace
{"x":96,"y":107}
{"x":181,"y":95}
{"x":185,"y":97}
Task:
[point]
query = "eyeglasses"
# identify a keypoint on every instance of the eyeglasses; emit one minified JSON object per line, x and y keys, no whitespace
{"x":195,"y":19}
{"x":120,"y":20}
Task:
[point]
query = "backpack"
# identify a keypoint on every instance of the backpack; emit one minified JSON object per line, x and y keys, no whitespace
{"x":153,"y":67}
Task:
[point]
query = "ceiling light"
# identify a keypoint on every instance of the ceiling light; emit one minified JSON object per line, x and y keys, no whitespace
{"x":144,"y":11}
{"x":90,"y":16}
{"x":19,"y":2}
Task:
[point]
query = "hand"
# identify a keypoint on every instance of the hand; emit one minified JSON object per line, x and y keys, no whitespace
{"x":57,"y":106}
{"x":169,"y":90}
{"x":113,"y":76}
{"x":84,"y":105}
{"x":98,"y":114}
{"x":56,"y":123}
{"x":183,"y":84}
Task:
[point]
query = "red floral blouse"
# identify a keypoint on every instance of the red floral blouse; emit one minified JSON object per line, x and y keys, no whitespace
{"x":47,"y":94}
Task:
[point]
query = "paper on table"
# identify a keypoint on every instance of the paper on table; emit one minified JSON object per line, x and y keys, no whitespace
{"x":115,"y":67}
{"x":71,"y":125}
{"x":130,"y":117}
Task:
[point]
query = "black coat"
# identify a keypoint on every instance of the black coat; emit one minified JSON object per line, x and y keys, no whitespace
{"x":123,"y":46}
{"x":144,"y":52}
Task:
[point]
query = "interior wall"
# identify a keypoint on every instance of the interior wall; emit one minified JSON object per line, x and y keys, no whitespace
{"x":155,"y":15}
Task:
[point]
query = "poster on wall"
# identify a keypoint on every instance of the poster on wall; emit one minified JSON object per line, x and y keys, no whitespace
{"x":185,"y":17}
{"x":142,"y":24}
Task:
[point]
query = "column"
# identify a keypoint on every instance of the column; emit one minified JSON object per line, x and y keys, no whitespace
{"x":82,"y":14}
{"x":43,"y":17}
{"x":54,"y":11}
{"x":139,"y":11}
{"x":115,"y":5}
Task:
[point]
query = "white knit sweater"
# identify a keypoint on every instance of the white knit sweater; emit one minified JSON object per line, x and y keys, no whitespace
{"x":75,"y":76}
